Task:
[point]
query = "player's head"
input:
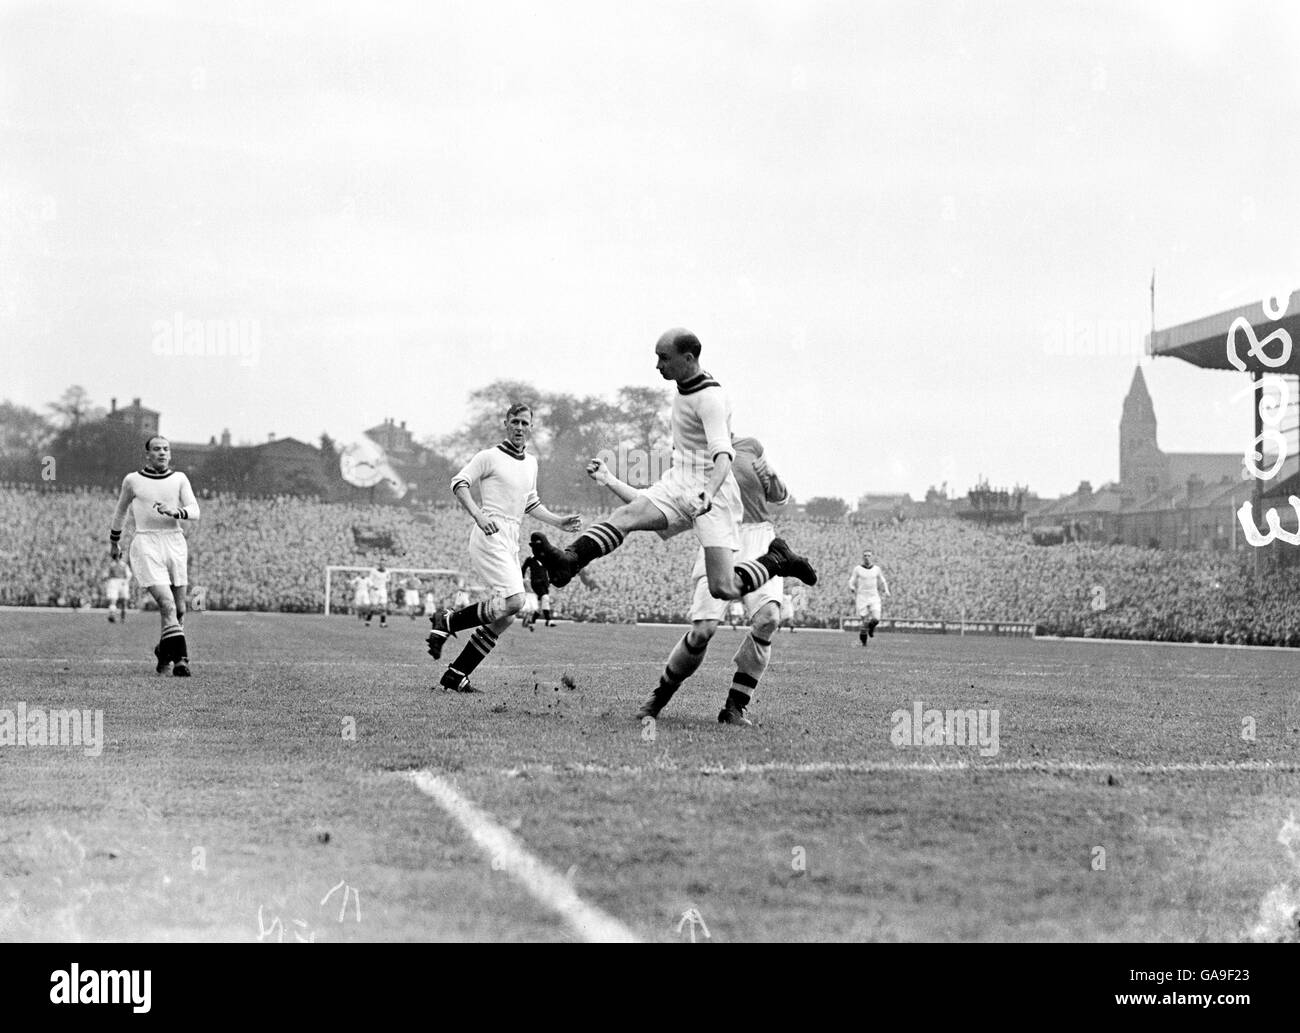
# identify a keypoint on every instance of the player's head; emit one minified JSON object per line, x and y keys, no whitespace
{"x":519,"y":423}
{"x":866,"y":557}
{"x":678,"y":354}
{"x":158,"y":453}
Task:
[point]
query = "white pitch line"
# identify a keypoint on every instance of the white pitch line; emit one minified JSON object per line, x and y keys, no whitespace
{"x":509,"y":854}
{"x":1047,"y":767}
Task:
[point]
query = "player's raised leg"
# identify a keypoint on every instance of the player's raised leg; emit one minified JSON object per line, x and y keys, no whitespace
{"x":598,"y":540}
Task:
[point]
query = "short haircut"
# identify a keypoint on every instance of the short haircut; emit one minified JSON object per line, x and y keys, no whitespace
{"x":149,"y":443}
{"x":519,"y":407}
{"x":688,"y":344}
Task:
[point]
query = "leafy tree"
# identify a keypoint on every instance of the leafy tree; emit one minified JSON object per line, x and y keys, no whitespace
{"x":23,"y":432}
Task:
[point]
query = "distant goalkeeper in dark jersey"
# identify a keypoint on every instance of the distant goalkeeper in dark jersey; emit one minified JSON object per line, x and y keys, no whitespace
{"x":538,"y":598}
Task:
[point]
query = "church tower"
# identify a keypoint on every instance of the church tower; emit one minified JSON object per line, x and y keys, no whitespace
{"x":1141,"y":463}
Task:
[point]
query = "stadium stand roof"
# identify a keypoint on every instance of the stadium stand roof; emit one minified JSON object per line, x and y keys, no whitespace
{"x":1203,"y":342}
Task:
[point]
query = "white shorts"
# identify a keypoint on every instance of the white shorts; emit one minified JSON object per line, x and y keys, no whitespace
{"x":361,"y":599}
{"x":115,"y":589}
{"x":754,"y":540}
{"x":378,"y":598}
{"x":675,"y":493}
{"x":159,"y":558}
{"x":410,"y":597}
{"x":496,"y":558}
{"x":869,"y":609}
{"x":530,"y":603}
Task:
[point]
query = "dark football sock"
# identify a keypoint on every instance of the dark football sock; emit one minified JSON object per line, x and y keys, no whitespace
{"x":596,"y":541}
{"x":471,"y":616}
{"x":475,"y":651}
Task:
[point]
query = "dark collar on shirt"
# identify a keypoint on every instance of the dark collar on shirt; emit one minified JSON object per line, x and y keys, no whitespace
{"x":696,"y":383}
{"x":156,"y":476}
{"x":511,"y":451}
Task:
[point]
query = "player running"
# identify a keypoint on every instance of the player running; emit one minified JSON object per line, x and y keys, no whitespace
{"x":698,"y":491}
{"x":159,"y":499}
{"x":865,"y":584}
{"x":760,"y":488}
{"x":538,"y":598}
{"x":505,"y":477}
{"x":117,"y":577}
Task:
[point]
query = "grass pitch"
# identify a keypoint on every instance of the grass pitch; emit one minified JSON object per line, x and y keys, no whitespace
{"x":238,"y":805}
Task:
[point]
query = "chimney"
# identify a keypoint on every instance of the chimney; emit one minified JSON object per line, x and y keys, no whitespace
{"x":225,"y":438}
{"x":135,"y":402}
{"x":212,"y":442}
{"x":112,"y":402}
{"x":1085,"y":489}
{"x":403,"y":425}
{"x":270,"y":437}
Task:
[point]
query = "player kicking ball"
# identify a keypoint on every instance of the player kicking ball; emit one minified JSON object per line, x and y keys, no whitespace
{"x":159,"y":498}
{"x":759,"y":488}
{"x":699,"y":491}
{"x":505,"y":476}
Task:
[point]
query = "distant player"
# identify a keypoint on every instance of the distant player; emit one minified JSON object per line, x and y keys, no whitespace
{"x":377,"y":582}
{"x":411,"y":596}
{"x":699,"y":490}
{"x":116,"y":581}
{"x":538,"y":598}
{"x":461,"y":598}
{"x":759,"y":488}
{"x":159,"y":498}
{"x":865,"y":584}
{"x":505,"y":477}
{"x":793,"y":605}
{"x":360,"y":596}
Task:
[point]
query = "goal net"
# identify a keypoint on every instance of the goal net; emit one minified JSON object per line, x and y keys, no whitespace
{"x":338,"y":585}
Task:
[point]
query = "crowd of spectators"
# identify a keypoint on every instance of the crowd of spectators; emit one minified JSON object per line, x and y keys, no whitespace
{"x":271,"y":554}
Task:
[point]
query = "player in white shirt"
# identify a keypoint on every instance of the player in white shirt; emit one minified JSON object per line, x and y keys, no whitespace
{"x":116,"y":581}
{"x":699,"y":491}
{"x":759,"y":487}
{"x":360,"y":596}
{"x":377,"y":582}
{"x":461,"y":599}
{"x":865,"y":584}
{"x":159,"y":498}
{"x":794,"y":604}
{"x":505,"y":478}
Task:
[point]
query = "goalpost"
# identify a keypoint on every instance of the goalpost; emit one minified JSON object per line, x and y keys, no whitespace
{"x":396,"y":575}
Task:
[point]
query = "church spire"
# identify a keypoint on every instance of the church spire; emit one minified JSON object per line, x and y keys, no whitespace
{"x":1137,"y":404}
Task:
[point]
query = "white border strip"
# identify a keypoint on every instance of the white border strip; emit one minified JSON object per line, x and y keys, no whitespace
{"x":1043,"y":767}
{"x":509,"y":855}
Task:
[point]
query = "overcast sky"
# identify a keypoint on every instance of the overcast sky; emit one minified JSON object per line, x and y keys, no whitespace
{"x":881,"y":220}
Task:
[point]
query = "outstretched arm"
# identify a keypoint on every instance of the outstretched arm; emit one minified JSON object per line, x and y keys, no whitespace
{"x":598,"y":471}
{"x":568,"y":522}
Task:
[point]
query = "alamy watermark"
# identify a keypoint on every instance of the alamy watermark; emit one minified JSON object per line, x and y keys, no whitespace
{"x":1095,"y":337}
{"x":238,"y":338}
{"x":34,"y":726}
{"x":921,"y":727}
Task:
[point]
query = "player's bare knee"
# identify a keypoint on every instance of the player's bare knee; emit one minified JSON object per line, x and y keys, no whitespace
{"x":766,"y":620}
{"x":701,"y":632}
{"x":511,"y":605}
{"x":724,"y":587}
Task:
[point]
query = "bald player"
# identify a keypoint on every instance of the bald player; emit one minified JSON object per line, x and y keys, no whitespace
{"x":159,"y":498}
{"x":699,"y":491}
